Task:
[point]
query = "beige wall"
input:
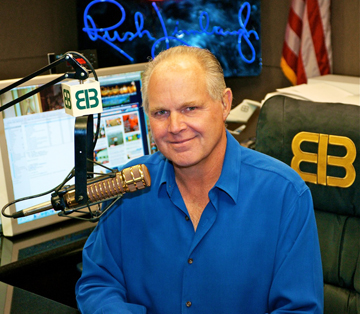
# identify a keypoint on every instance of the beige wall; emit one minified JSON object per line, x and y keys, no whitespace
{"x":31,"y":29}
{"x":346,"y":36}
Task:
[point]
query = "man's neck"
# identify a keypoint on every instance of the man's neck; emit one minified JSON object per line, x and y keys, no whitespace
{"x":195,"y":182}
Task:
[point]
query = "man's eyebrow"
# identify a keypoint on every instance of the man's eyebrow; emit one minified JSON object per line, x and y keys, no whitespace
{"x":157,"y":108}
{"x":191,"y":104}
{"x":182,"y":106}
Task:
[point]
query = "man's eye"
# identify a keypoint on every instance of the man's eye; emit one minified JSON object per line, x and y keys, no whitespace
{"x":190,"y":108}
{"x":160,"y":113}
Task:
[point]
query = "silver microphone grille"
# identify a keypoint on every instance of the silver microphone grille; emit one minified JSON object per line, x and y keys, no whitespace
{"x":127,"y":180}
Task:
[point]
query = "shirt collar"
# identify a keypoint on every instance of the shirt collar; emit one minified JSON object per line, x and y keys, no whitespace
{"x":167,"y":179}
{"x":229,"y":179}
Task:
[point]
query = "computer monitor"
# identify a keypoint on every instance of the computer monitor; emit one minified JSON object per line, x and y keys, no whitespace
{"x":37,"y":140}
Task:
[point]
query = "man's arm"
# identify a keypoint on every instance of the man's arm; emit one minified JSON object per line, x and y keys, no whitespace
{"x":298,"y":282}
{"x":101,"y":288}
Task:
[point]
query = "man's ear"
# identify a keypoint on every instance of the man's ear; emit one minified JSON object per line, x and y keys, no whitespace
{"x":227,"y":102}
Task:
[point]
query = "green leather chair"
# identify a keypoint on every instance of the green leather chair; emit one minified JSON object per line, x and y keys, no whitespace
{"x":321,"y":141}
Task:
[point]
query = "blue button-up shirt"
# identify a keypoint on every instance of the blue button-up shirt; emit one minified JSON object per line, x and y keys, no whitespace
{"x":255,"y":249}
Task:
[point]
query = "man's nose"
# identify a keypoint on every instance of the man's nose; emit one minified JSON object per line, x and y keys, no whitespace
{"x":176,"y":122}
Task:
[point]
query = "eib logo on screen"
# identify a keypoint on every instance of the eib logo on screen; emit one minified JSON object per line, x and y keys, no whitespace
{"x":322,"y":159}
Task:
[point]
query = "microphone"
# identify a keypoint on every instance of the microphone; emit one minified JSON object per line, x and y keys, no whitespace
{"x":129,"y":179}
{"x":33,"y":210}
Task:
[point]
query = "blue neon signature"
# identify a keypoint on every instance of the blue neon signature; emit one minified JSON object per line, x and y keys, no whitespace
{"x":103,"y":34}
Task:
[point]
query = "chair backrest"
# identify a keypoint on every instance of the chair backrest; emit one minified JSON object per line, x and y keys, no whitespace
{"x":321,"y":141}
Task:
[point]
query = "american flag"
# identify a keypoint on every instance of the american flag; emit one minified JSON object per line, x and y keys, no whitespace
{"x":307,"y":47}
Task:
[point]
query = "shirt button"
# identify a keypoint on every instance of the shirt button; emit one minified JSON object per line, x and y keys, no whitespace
{"x":187,"y":218}
{"x":190,"y":260}
{"x":188,"y":303}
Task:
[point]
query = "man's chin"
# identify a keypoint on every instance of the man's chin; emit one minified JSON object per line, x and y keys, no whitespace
{"x":186,"y":162}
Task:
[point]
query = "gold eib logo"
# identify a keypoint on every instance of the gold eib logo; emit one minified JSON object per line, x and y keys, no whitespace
{"x":322,"y":159}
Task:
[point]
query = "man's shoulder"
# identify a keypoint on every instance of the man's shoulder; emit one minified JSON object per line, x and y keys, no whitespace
{"x":265,"y":165}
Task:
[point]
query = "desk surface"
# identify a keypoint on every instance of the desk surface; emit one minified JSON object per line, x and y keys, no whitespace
{"x":17,"y":301}
{"x":42,"y":265}
{"x":52,"y":240}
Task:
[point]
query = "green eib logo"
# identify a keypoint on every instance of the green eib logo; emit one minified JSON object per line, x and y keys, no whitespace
{"x":86,"y":99}
{"x":81,"y":99}
{"x":67,"y":99}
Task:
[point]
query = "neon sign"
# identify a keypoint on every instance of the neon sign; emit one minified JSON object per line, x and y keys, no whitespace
{"x":245,"y":40}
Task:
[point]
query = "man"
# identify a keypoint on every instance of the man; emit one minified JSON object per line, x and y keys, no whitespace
{"x":222,"y":229}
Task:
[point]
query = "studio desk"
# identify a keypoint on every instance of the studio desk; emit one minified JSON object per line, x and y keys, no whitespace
{"x":39,"y":269}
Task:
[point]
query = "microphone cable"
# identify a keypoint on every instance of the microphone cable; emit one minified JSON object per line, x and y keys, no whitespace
{"x":59,"y":186}
{"x":103,"y":188}
{"x":71,"y":173}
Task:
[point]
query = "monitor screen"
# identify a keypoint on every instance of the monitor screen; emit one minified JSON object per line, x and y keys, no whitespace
{"x":37,"y":139}
{"x":127,"y":32}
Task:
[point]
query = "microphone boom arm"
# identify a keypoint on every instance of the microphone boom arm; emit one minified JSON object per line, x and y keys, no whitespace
{"x":80,"y":74}
{"x":84,"y":143}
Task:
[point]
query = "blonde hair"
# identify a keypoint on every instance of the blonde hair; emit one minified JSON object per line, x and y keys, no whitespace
{"x":213,"y":71}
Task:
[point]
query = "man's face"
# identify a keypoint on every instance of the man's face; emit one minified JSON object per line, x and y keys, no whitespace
{"x":187,"y":124}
